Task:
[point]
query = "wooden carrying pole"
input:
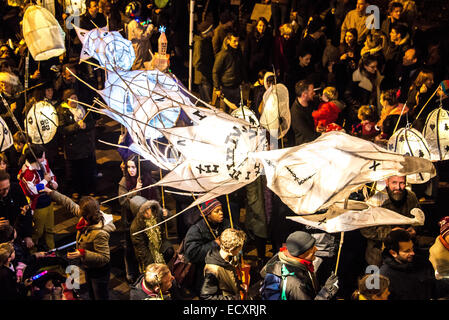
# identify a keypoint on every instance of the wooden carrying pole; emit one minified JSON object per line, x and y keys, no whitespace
{"x":342,"y":237}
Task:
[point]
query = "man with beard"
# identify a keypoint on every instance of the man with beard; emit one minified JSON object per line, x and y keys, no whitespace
{"x":411,"y":275}
{"x":399,"y":200}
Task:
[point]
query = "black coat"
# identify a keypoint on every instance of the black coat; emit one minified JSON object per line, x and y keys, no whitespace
{"x":302,"y":124}
{"x":257,"y":51}
{"x":10,"y":208}
{"x":413,"y":281}
{"x":199,"y":240}
{"x":78,"y":143}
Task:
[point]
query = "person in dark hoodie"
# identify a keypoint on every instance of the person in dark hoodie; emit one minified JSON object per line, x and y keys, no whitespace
{"x":411,"y":276}
{"x":293,"y":266}
{"x":203,"y":236}
{"x":221,"y":281}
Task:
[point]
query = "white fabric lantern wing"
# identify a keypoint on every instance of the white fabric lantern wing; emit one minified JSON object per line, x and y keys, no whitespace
{"x":436,"y":133}
{"x":275,"y":115}
{"x":5,"y":136}
{"x":315,"y":175}
{"x":41,"y":122}
{"x":358,"y":215}
{"x":410,"y":142}
{"x":42,"y":33}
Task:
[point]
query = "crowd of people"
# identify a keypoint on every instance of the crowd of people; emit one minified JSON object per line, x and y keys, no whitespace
{"x":345,"y":68}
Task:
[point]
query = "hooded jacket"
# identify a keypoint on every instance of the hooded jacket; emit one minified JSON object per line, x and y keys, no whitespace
{"x":148,"y":245}
{"x":302,"y":284}
{"x":220,"y":278}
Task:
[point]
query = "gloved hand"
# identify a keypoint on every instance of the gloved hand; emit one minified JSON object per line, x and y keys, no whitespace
{"x":331,"y":284}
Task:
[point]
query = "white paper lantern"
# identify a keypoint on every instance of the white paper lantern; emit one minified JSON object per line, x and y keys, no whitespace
{"x":246,"y":114}
{"x":275,"y":115}
{"x":410,"y":142}
{"x":41,"y":122}
{"x":42,"y":33}
{"x":108,"y":47}
{"x":436,"y":133}
{"x":5,"y":136}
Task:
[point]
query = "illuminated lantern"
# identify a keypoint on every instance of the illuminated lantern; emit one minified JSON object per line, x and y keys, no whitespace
{"x":246,"y":114}
{"x":161,"y":60}
{"x":436,"y":133}
{"x":108,"y":47}
{"x":75,"y":8}
{"x":42,"y":33}
{"x":41,"y":122}
{"x":275,"y":115}
{"x":410,"y":142}
{"x":5,"y":136}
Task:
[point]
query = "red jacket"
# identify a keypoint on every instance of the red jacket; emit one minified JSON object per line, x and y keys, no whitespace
{"x":31,"y":182}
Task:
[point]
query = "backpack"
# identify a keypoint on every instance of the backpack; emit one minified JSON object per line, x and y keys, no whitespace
{"x":271,"y":288}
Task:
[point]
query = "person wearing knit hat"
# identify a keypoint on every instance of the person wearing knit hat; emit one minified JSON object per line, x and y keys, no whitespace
{"x":444,"y":86}
{"x":439,"y":252}
{"x":203,"y":60}
{"x":203,"y":236}
{"x":293,"y":268}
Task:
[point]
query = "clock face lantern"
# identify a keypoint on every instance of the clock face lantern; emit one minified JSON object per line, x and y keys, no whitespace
{"x":410,"y":142}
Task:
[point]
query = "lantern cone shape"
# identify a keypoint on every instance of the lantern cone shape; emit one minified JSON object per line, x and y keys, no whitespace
{"x":42,"y":33}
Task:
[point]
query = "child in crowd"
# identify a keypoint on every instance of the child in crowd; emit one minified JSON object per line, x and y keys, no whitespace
{"x":366,"y":129}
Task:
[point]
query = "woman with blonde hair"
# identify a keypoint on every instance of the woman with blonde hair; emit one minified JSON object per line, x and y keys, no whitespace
{"x":372,"y":287}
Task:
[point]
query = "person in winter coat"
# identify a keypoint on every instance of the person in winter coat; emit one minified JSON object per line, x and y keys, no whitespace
{"x":229,"y":69}
{"x":203,"y":60}
{"x":203,"y":236}
{"x":411,"y":276}
{"x":78,"y":135}
{"x":155,"y":284}
{"x":136,"y":176}
{"x":303,"y":125}
{"x":34,"y":176}
{"x":150,"y":246}
{"x":221,"y":281}
{"x":363,"y":89}
{"x":399,"y":200}
{"x":257,"y":50}
{"x":92,"y":242}
{"x":293,"y":269}
{"x":14,"y":209}
{"x":10,"y":288}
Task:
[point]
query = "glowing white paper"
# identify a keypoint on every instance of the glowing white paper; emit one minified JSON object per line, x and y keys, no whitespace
{"x":5,"y":136}
{"x":41,"y":122}
{"x":410,"y":142}
{"x":436,"y":133}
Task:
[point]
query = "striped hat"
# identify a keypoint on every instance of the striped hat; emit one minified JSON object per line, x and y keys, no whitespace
{"x":445,"y":86}
{"x":209,"y":206}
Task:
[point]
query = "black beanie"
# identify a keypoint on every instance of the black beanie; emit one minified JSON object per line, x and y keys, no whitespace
{"x":299,"y":242}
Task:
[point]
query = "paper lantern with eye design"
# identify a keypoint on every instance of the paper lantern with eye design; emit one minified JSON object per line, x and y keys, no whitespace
{"x":42,"y":33}
{"x":436,"y":133}
{"x":5,"y":136}
{"x":410,"y":142}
